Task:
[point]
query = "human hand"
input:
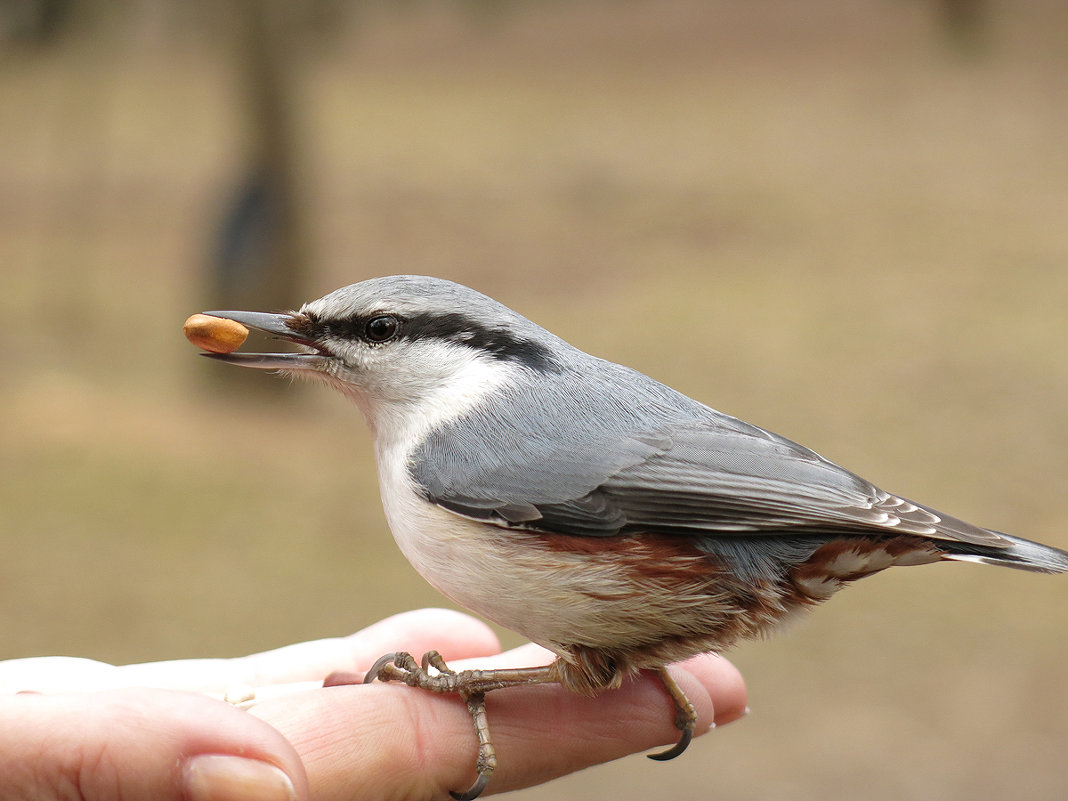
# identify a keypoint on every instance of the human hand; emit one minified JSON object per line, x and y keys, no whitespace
{"x":162,"y":731}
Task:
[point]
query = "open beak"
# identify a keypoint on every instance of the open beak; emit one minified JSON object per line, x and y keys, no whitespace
{"x":290,"y":327}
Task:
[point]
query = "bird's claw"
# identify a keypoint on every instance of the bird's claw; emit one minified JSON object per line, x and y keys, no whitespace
{"x":685,"y":716}
{"x":684,"y":741}
{"x":376,"y":671}
{"x":474,"y":791}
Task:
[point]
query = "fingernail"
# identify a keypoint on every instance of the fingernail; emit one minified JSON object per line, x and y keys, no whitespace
{"x":217,"y":777}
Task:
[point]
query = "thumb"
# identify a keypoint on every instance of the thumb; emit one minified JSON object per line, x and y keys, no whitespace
{"x":141,"y":745}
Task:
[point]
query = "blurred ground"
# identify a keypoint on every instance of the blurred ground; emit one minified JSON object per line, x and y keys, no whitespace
{"x":813,"y":216}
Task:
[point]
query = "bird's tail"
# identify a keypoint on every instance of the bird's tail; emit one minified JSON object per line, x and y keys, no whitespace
{"x":1018,"y":553}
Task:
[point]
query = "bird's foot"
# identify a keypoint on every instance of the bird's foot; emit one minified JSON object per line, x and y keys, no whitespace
{"x":470,"y":685}
{"x":433,"y":674}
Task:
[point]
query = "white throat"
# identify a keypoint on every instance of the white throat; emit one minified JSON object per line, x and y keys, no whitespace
{"x":403,"y":400}
{"x":399,"y":426}
{"x":421,"y":529}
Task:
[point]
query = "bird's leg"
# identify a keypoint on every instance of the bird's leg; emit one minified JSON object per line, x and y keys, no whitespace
{"x":685,"y":716}
{"x":470,"y":685}
{"x":487,"y":754}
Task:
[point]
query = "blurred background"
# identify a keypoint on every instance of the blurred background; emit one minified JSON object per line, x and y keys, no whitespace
{"x":844,"y":221}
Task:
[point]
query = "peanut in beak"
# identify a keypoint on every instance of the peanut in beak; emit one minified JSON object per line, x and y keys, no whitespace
{"x":215,"y":334}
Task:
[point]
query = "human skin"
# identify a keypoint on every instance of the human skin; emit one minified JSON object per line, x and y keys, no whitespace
{"x":75,"y":728}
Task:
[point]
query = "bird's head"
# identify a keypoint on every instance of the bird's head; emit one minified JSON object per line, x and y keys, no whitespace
{"x":404,"y":345}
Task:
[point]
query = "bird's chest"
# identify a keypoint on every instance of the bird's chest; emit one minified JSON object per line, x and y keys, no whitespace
{"x":465,"y":560}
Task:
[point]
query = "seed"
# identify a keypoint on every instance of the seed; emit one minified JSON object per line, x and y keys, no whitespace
{"x":214,"y":334}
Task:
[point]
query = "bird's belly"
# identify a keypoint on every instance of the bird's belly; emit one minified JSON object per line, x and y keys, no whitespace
{"x":487,"y":571}
{"x":624,"y":594}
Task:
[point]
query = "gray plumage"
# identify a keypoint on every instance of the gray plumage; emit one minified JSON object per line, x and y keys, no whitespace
{"x":593,"y":448}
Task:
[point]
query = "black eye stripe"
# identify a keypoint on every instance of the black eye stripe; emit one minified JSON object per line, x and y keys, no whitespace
{"x":499,"y":342}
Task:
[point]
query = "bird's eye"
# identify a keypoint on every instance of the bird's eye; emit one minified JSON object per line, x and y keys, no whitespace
{"x":381,"y":328}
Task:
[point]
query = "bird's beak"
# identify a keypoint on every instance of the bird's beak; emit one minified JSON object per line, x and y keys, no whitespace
{"x":290,"y":326}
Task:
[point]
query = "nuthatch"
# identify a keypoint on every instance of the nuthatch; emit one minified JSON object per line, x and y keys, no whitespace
{"x":595,"y":511}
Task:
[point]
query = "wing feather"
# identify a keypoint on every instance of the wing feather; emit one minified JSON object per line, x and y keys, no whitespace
{"x":656,"y":461}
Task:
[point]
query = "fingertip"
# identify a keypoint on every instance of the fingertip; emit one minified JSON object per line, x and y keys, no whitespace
{"x":224,"y":777}
{"x":718,"y":681}
{"x":99,"y":741}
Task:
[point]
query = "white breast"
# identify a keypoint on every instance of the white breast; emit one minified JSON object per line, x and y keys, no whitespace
{"x":449,"y":551}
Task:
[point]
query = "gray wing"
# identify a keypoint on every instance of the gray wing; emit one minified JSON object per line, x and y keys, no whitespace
{"x":655,"y":464}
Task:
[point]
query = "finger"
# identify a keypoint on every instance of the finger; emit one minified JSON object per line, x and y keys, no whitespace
{"x":526,"y":655}
{"x":140,"y":745}
{"x":55,"y":674}
{"x":453,"y":633}
{"x":407,"y":743}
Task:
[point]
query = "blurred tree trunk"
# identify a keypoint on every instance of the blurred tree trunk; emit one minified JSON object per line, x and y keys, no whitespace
{"x":964,"y":23}
{"x":260,"y":258}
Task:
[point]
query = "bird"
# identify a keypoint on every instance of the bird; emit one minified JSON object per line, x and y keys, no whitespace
{"x":597,"y":512}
